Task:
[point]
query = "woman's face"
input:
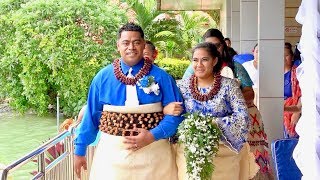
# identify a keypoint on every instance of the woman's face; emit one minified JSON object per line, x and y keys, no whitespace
{"x":203,"y":63}
{"x":216,"y":42}
{"x":287,"y":58}
{"x":255,"y":53}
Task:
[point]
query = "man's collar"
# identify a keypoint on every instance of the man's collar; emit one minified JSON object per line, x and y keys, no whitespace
{"x":135,"y":69}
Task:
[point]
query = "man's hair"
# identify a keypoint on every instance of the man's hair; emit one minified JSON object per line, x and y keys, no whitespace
{"x":153,"y":47}
{"x":131,"y":27}
{"x":254,"y":47}
{"x":227,"y":39}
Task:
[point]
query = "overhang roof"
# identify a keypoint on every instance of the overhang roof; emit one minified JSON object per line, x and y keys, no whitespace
{"x":189,"y":5}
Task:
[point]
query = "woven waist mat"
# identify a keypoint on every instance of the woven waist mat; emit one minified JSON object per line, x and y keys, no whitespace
{"x":122,"y":124}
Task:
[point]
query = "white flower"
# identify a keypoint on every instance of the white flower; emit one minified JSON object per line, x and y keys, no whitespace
{"x":148,"y":85}
{"x":146,"y":90}
{"x":192,"y":149}
{"x":201,"y":139}
{"x":155,"y":88}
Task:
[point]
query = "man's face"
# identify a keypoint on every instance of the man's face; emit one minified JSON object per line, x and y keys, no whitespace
{"x":131,"y":46}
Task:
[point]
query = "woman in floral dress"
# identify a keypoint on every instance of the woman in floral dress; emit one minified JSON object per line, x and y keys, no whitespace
{"x":208,"y":93}
{"x":257,"y":138}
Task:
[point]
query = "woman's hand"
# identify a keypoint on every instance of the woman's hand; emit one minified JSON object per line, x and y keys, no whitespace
{"x":295,"y":118}
{"x":174,"y":109}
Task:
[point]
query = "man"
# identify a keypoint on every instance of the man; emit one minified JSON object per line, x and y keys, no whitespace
{"x":132,"y":143}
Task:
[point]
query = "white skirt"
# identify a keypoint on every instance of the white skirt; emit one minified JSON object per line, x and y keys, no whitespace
{"x":229,"y":165}
{"x":113,"y":162}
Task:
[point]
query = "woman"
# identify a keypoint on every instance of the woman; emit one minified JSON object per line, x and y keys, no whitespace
{"x":292,"y":94}
{"x":222,"y":99}
{"x":257,"y":137}
{"x":252,"y":69}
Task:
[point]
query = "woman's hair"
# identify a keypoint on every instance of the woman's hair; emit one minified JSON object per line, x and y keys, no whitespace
{"x":296,"y":53}
{"x":212,"y":50}
{"x":232,"y":52}
{"x":225,"y":56}
{"x":288,"y":45}
{"x":290,"y":50}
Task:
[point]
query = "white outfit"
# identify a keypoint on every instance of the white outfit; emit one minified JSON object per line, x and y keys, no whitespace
{"x":252,"y":71}
{"x":227,"y":72}
{"x":254,"y":75}
{"x":307,"y":152}
{"x":112,"y":161}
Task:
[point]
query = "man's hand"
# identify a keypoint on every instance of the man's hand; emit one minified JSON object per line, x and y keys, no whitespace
{"x":134,"y":143}
{"x":174,"y":109}
{"x":79,"y":161}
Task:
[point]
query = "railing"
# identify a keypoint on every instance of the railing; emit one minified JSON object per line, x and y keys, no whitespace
{"x":58,"y":169}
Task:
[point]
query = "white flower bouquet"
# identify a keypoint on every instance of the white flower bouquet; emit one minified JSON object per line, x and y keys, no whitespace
{"x":200,"y":136}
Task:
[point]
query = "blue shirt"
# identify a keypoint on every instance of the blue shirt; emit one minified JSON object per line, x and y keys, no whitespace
{"x":105,"y":88}
{"x":287,"y":85}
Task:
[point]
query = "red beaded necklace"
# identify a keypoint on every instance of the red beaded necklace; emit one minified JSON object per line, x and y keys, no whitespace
{"x":130,"y":81}
{"x":196,"y":94}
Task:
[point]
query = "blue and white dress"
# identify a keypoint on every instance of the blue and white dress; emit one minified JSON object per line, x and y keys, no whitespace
{"x":234,"y":159}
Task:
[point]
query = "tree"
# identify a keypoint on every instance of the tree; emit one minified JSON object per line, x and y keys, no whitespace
{"x":160,"y":27}
{"x":175,"y":33}
{"x":55,"y":47}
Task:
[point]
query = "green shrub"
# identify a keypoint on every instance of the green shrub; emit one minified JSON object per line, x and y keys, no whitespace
{"x":175,"y":67}
{"x":51,"y":47}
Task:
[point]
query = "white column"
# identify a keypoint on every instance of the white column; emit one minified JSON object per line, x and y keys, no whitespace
{"x":271,"y":47}
{"x":227,"y":32}
{"x":248,"y":25}
{"x":235,"y":24}
{"x":223,"y":26}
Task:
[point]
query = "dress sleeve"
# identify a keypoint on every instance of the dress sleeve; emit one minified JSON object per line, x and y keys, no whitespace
{"x":227,"y":72}
{"x":242,"y":75}
{"x":235,"y":126}
{"x":188,"y":73}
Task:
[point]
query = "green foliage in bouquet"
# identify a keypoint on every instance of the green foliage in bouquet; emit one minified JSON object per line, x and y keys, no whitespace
{"x":51,"y":47}
{"x":200,"y":136}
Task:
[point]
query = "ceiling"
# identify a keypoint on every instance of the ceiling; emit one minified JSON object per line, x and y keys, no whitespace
{"x":189,"y":5}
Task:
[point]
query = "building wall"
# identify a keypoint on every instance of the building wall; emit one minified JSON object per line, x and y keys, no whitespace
{"x":292,"y":29}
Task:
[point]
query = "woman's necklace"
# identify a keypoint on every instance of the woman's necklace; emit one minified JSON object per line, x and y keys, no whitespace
{"x":127,"y":80}
{"x":196,"y":94}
